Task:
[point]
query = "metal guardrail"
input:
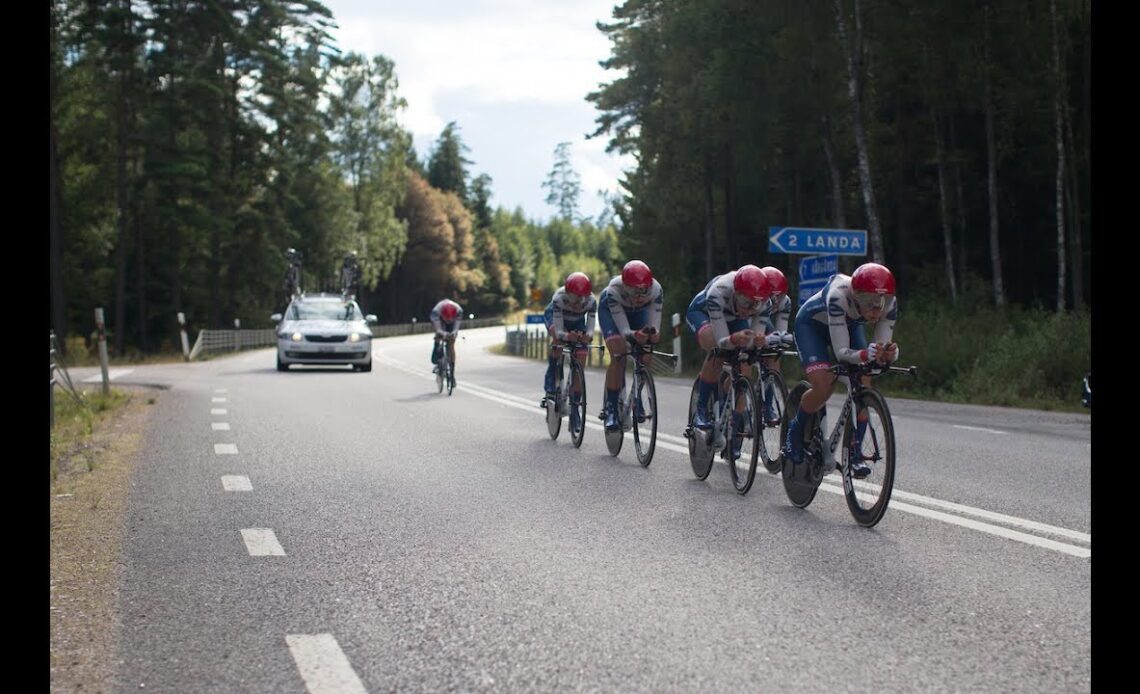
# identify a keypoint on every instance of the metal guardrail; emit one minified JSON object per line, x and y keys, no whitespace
{"x":394,"y":329}
{"x":535,"y":342}
{"x":58,"y":375}
{"x":213,"y":341}
{"x":51,"y":375}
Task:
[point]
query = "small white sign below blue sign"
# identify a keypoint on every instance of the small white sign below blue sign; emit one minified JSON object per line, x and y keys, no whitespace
{"x":818,"y":267}
{"x":809,"y":288}
{"x":815,"y":241}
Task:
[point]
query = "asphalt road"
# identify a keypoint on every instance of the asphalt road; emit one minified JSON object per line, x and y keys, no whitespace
{"x":361,"y":532}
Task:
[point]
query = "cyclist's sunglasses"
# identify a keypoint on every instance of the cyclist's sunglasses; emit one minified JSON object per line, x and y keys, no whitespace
{"x":639,"y":292}
{"x":869,"y":301}
{"x":748,"y":303}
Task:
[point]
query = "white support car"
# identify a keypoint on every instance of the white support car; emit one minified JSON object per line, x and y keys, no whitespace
{"x":324,"y":329}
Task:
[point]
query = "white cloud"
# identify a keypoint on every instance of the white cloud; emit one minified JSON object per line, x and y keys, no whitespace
{"x":479,"y":56}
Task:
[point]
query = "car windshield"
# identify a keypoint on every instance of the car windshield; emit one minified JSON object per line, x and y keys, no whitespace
{"x":323,"y":310}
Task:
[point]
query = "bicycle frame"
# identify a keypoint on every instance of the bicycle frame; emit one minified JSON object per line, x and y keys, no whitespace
{"x":568,"y":349}
{"x":766,"y":353}
{"x":855,"y":386}
{"x":636,"y":351}
{"x":867,"y":500}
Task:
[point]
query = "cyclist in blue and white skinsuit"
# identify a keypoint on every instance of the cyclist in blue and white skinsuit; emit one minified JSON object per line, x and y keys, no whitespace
{"x":445,"y":317}
{"x":570,"y":317}
{"x":775,"y":317}
{"x":834,"y":318}
{"x":628,"y":308}
{"x":726,"y":315}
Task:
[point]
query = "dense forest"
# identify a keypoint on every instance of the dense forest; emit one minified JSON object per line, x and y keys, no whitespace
{"x":955,"y":132}
{"x":193,"y":142}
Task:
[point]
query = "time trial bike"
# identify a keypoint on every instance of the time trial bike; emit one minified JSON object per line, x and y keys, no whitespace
{"x":735,"y":419}
{"x":570,"y":394}
{"x":637,"y":403}
{"x":874,"y":444}
{"x":444,"y":368}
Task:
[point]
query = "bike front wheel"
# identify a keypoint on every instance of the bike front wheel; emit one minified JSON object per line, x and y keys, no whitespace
{"x":867,"y":498}
{"x":745,"y":426}
{"x":450,"y":373}
{"x":799,"y":484}
{"x":700,"y":440}
{"x":772,"y":394}
{"x":644,"y":417}
{"x":577,"y":403}
{"x":553,"y":415}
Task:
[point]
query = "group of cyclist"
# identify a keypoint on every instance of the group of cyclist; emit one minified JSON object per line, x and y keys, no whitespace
{"x":747,"y":308}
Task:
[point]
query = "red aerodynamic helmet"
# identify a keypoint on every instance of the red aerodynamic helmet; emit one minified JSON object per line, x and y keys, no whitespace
{"x":873,"y":286}
{"x":449,"y":311}
{"x":752,"y":282}
{"x":872,"y":278}
{"x":578,"y":284}
{"x":776,"y":279}
{"x":636,"y":275}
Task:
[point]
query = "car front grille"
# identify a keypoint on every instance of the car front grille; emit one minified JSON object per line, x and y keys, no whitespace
{"x":331,"y":356}
{"x":326,"y":338}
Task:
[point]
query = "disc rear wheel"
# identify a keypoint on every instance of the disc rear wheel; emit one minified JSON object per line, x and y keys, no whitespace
{"x":798,"y":482}
{"x":700,"y":440}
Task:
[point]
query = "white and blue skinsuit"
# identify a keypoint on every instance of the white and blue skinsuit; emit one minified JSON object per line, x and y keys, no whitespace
{"x":441,"y":326}
{"x":564,"y":313}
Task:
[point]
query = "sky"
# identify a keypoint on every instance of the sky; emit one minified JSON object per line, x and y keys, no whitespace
{"x":512,"y":74}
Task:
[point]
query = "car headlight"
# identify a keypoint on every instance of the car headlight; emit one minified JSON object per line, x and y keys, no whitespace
{"x":297,"y":337}
{"x":357,"y":337}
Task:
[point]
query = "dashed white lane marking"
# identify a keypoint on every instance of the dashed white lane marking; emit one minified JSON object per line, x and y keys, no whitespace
{"x":217,"y":410}
{"x":220,"y":426}
{"x":323,"y":665}
{"x":236,"y":483}
{"x":221,"y":390}
{"x":261,"y":542}
{"x":217,"y":399}
{"x":112,"y":374}
{"x":225,"y":449}
{"x":988,"y":431}
{"x":833,"y":486}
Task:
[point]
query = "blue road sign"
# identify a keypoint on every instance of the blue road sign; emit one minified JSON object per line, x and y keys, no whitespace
{"x":538,"y":318}
{"x":818,"y":267}
{"x":809,"y":288}
{"x":815,"y":241}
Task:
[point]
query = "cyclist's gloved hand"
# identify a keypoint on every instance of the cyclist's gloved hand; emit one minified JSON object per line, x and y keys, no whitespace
{"x":742,"y":338}
{"x":788,"y":338}
{"x":873,"y":352}
{"x":774,"y":339}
